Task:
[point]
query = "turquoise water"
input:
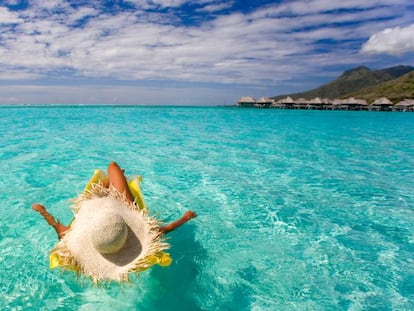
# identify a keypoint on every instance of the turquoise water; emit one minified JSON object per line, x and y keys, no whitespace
{"x":298,"y":210}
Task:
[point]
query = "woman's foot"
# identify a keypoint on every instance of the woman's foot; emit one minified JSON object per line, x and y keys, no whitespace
{"x":38,"y":208}
{"x":189,"y":215}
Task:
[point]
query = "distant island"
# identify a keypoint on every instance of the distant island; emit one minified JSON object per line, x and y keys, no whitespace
{"x":390,"y":89}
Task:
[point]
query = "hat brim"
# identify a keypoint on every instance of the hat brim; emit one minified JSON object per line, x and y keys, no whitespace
{"x":144,"y":240}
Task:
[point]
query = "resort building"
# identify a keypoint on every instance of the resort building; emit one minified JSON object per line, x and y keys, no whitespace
{"x":381,"y":104}
{"x":301,"y":103}
{"x":246,"y":101}
{"x":354,"y":104}
{"x":406,"y":105}
{"x":335,"y":104}
{"x":264,"y":102}
{"x":286,"y":103}
{"x":316,"y":104}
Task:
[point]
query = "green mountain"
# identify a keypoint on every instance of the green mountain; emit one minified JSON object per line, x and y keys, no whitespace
{"x":395,"y":90}
{"x":352,"y":81}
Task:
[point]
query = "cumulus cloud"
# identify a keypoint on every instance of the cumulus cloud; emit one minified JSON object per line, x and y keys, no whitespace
{"x":17,"y":75}
{"x":158,"y":3}
{"x":123,"y":46}
{"x":12,"y":2}
{"x":300,"y":7}
{"x":49,"y":4}
{"x":265,"y":46}
{"x":397,"y":40}
{"x":215,"y":7}
{"x":7,"y":17}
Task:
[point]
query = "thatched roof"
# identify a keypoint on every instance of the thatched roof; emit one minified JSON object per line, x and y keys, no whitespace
{"x":337,"y":101}
{"x":326,"y":101}
{"x":315,"y":101}
{"x":287,"y":100}
{"x":383,"y":101}
{"x":264,"y":100}
{"x":246,"y":99}
{"x":362,"y":102}
{"x":354,"y":101}
{"x":405,"y":103}
{"x":349,"y":101}
{"x":301,"y":101}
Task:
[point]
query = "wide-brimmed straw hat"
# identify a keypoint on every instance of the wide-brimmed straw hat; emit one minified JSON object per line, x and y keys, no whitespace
{"x":110,"y":237}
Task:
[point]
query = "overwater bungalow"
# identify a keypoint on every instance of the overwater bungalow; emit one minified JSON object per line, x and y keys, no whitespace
{"x":363,"y":105}
{"x":286,"y":103}
{"x":381,"y":104}
{"x":275,"y":105}
{"x":354,"y":104}
{"x":301,"y":103}
{"x":327,"y":103}
{"x":264,"y":102}
{"x":335,"y":104}
{"x":246,"y":101}
{"x":406,"y":105}
{"x":316,"y":104}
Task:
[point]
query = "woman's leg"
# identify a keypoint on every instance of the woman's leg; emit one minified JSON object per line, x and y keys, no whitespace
{"x":59,"y":228}
{"x":118,"y":181}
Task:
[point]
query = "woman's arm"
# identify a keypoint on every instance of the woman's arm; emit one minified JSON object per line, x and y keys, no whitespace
{"x":59,"y":228}
{"x":174,"y":225}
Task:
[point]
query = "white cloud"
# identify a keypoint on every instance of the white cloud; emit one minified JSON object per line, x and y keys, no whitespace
{"x":160,"y":3}
{"x":7,"y":17}
{"x":169,"y":3}
{"x":48,"y":4}
{"x":81,"y":13}
{"x":12,"y":2}
{"x":397,"y":40}
{"x":264,"y":47}
{"x":300,"y":7}
{"x":17,"y":75}
{"x":216,"y":7}
{"x":133,"y":50}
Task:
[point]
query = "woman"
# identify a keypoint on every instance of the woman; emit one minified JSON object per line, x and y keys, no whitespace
{"x":111,"y":235}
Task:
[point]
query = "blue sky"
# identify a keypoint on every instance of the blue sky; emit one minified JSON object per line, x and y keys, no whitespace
{"x":186,"y":52}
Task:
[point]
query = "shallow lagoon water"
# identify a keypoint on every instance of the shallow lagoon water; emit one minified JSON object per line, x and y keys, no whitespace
{"x":298,"y":210}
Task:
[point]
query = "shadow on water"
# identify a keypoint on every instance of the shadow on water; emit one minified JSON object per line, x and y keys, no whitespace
{"x":176,"y":285}
{"x":167,"y":288}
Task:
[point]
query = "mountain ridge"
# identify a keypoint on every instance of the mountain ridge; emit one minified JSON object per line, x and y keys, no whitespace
{"x":356,"y":81}
{"x":395,"y":90}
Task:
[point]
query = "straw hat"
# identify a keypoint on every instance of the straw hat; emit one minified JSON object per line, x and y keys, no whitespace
{"x":109,"y":237}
